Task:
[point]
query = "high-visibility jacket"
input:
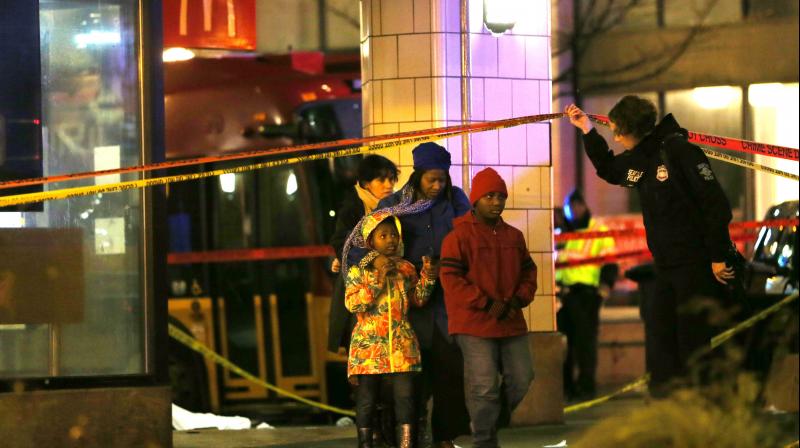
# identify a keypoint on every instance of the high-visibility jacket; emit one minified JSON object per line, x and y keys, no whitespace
{"x":587,"y":274}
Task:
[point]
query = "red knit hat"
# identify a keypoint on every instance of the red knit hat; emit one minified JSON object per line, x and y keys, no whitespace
{"x":485,"y":182}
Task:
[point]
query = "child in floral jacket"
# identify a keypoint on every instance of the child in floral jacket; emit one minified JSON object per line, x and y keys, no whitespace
{"x":383,"y":346}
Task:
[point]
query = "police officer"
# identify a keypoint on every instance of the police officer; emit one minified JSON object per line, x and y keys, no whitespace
{"x":581,"y":292}
{"x":686,"y":216}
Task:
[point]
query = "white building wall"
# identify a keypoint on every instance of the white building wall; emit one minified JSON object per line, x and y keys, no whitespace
{"x":411,"y":71}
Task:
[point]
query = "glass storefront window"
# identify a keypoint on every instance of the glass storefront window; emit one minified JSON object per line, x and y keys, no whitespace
{"x":774,"y":111}
{"x":77,"y":303}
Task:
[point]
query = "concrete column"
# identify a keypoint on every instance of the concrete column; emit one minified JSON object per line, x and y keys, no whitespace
{"x":411,"y":71}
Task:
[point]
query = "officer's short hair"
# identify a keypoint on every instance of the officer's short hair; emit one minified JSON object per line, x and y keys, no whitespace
{"x":634,"y":116}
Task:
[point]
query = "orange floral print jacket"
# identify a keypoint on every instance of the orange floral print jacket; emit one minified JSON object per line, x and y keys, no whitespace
{"x":383,"y":340}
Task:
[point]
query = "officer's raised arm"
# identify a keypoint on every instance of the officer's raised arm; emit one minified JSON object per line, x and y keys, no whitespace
{"x":616,"y":170}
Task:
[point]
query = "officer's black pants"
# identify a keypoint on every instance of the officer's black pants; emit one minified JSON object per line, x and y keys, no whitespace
{"x":677,"y":325}
{"x":579,"y":319}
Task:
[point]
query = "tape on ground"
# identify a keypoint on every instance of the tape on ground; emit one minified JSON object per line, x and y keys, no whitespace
{"x":716,"y":341}
{"x":193,"y":344}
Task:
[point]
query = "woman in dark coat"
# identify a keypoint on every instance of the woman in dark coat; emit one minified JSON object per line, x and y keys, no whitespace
{"x":426,"y":206}
{"x":377,"y":176}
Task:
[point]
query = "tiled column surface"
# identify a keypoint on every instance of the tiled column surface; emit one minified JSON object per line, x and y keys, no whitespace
{"x":411,"y":71}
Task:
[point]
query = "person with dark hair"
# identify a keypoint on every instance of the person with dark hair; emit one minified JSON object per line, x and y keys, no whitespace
{"x":426,"y":206}
{"x":686,"y":216}
{"x":581,"y":292}
{"x":377,"y":176}
{"x":376,"y":179}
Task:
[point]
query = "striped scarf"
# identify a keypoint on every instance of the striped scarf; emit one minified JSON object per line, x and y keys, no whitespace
{"x":405,"y":207}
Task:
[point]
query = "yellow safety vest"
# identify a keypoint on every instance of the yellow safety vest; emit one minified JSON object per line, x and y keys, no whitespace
{"x":588,"y":274}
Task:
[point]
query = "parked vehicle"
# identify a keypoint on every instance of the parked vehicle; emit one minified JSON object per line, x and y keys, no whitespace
{"x":774,"y":265}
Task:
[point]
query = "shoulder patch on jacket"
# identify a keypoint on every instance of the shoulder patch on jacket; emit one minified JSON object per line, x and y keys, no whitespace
{"x":634,"y":175}
{"x":705,"y":172}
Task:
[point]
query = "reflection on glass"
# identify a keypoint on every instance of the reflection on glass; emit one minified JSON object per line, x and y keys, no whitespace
{"x":90,"y":109}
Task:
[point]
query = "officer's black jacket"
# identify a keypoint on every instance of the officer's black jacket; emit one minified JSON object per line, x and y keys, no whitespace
{"x":686,"y":213}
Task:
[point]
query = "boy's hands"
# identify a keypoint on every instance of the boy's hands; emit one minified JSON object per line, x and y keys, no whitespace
{"x":496,"y":308}
{"x":514,"y":307}
{"x":503,"y":309}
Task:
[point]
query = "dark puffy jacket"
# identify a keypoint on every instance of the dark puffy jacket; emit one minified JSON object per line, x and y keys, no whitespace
{"x":686,"y":213}
{"x":341,"y":321}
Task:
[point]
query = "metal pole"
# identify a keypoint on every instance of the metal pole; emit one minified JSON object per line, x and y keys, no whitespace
{"x":576,"y":38}
{"x":465,"y":95}
{"x":54,"y":361}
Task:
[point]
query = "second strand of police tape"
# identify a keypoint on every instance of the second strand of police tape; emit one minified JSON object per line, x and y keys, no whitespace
{"x":66,"y":193}
{"x":28,"y":198}
{"x":716,"y":341}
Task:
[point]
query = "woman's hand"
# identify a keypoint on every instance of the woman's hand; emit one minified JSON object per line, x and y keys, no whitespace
{"x":336,"y":266}
{"x":578,"y":118}
{"x":430,"y":267}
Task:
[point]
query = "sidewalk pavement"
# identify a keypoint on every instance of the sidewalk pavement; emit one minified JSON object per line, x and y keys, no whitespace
{"x":333,"y":437}
{"x":524,"y":437}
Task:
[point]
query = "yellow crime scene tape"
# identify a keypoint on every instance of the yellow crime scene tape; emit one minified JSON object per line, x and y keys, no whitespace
{"x":641,"y":381}
{"x":602,"y":120}
{"x":395,"y":140}
{"x":716,"y":341}
{"x":748,"y":164}
{"x":67,"y":193}
{"x":719,"y":339}
{"x":193,"y":344}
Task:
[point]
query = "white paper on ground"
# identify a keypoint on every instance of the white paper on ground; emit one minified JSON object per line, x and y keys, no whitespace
{"x":183,"y":420}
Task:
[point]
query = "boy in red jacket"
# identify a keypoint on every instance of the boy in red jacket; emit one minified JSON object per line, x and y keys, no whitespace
{"x":488,"y":276}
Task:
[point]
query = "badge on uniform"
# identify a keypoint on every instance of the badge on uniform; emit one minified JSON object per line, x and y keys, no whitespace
{"x":634,"y":176}
{"x":705,"y":171}
{"x":661,"y":173}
